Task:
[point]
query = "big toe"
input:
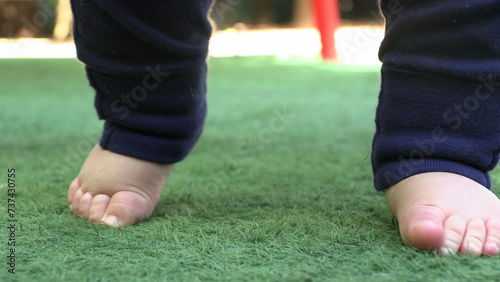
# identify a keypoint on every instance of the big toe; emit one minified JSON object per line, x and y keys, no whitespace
{"x":127,"y":208}
{"x":424,"y":228}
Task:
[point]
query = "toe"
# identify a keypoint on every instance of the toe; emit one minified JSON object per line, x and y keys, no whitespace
{"x":492,"y":243}
{"x":84,"y":205}
{"x":73,"y":187}
{"x":126,"y":208}
{"x":98,"y":207}
{"x":424,"y":229}
{"x":454,"y":227}
{"x":76,"y":201}
{"x":474,"y":237}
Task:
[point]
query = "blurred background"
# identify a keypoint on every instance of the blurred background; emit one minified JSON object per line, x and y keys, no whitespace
{"x":244,"y":27}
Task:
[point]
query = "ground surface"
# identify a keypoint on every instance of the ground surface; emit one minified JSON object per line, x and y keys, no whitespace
{"x":278,"y":189}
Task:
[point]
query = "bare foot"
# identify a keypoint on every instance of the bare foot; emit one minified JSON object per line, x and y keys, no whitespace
{"x":446,"y":212}
{"x":116,"y":189}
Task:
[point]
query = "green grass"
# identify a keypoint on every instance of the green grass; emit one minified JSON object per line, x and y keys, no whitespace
{"x":259,"y":199}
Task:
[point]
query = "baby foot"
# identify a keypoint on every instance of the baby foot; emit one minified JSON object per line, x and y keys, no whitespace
{"x":446,"y":212}
{"x":116,"y":189}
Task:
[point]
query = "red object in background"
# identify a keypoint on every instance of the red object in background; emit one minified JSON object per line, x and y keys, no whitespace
{"x":327,"y":15}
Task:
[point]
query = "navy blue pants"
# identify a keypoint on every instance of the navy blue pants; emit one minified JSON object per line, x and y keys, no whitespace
{"x":147,"y":64}
{"x":439,"y":104}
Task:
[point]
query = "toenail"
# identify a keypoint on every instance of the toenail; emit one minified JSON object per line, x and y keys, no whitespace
{"x":111,"y":220}
{"x":445,"y":251}
{"x":493,"y":247}
{"x":472,"y":248}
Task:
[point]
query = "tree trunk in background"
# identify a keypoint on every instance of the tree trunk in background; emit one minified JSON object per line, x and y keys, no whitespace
{"x":303,"y":15}
{"x":64,"y":20}
{"x":262,"y":12}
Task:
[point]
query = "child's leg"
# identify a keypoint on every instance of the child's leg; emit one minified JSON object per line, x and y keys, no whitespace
{"x":438,"y":123}
{"x":147,"y":65}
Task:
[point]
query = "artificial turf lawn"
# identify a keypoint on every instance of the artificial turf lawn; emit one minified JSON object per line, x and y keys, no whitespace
{"x":278,"y":188}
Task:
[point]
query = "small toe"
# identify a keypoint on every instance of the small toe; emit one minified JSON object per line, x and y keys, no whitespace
{"x":73,"y":187}
{"x":84,"y":205}
{"x":474,"y":237}
{"x":454,"y":227}
{"x":98,"y":207}
{"x":75,"y":203}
